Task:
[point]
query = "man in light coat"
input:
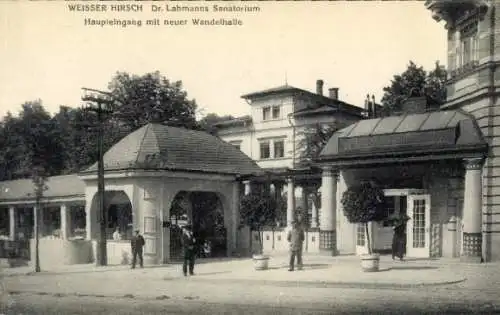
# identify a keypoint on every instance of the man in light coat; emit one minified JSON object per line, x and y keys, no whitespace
{"x":296,"y":238}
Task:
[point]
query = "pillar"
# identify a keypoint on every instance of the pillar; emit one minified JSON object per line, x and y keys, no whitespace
{"x":327,"y":237}
{"x":88,"y":218}
{"x":472,"y":213}
{"x":305,"y":205}
{"x":235,"y":217}
{"x":12,"y":223}
{"x":290,"y":205}
{"x":65,"y":221}
{"x":248,"y":188}
{"x":314,"y":217}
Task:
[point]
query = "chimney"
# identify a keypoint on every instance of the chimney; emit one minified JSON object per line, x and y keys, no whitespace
{"x":334,"y":93}
{"x":319,"y":87}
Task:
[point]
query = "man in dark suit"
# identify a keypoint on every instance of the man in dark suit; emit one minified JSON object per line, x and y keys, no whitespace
{"x":137,"y":243}
{"x":189,"y":249}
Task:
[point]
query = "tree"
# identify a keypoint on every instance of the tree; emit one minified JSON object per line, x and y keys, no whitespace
{"x":312,"y":140}
{"x":364,"y":203}
{"x":415,"y":81}
{"x":207,"y":123}
{"x":151,"y":98}
{"x":31,"y":142}
{"x":257,"y":210}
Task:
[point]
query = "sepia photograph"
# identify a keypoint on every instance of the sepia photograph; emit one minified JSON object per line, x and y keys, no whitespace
{"x":249,"y":157}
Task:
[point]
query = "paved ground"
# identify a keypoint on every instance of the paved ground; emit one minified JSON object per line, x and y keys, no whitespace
{"x":234,"y":287}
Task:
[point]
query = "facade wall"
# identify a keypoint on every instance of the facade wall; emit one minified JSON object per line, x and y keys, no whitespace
{"x":476,"y":91}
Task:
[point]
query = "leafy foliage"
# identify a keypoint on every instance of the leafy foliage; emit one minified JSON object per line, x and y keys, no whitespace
{"x":258,"y":210}
{"x":363,"y":203}
{"x":414,"y":81}
{"x":313,"y":139}
{"x":151,"y":98}
{"x":67,"y":141}
{"x":207,"y":123}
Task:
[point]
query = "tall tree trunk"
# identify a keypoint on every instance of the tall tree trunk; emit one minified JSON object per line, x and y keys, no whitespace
{"x":368,"y":241}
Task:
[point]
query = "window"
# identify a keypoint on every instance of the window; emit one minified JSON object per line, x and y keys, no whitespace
{"x":78,"y":222}
{"x":272,"y":149}
{"x":467,"y":50}
{"x":360,"y":234}
{"x":279,"y":148}
{"x":390,"y":205}
{"x":265,"y":152}
{"x":266,"y":113}
{"x":51,"y":218}
{"x":276,"y":112}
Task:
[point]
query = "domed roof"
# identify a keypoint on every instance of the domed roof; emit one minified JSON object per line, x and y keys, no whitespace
{"x":156,"y":146}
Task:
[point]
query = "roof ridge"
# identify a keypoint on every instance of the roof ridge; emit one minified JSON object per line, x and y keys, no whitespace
{"x":141,"y":142}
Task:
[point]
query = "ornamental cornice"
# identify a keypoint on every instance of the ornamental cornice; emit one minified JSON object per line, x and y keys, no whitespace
{"x":473,"y":163}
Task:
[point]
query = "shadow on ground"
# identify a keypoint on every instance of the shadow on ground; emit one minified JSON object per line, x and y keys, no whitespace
{"x":305,"y":266}
{"x":408,"y":268}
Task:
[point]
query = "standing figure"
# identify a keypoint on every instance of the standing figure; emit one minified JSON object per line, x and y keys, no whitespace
{"x":295,"y":237}
{"x":137,"y":244}
{"x":399,"y":240}
{"x":189,"y":249}
{"x":116,"y":235}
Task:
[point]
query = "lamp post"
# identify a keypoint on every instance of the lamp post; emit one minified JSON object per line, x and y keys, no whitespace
{"x":99,"y":103}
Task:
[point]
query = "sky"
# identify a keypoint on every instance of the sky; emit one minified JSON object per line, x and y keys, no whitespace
{"x":48,"y":53}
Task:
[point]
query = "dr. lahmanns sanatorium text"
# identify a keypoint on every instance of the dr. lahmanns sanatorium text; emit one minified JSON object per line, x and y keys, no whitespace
{"x":161,"y":8}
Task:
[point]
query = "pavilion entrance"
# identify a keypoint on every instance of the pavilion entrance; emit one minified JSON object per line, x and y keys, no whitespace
{"x":416,"y":204}
{"x":205,"y":212}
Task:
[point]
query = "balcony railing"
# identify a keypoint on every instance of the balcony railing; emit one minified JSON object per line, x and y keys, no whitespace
{"x":466,"y":68}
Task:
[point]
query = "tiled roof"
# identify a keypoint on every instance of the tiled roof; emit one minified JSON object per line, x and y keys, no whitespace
{"x":432,"y":131}
{"x":322,"y":100}
{"x":156,"y":146}
{"x":313,"y":111}
{"x":279,"y":89}
{"x":57,"y":186}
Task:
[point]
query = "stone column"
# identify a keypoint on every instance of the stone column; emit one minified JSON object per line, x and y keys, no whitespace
{"x":327,"y":225}
{"x":248,"y":187}
{"x":89,"y":218}
{"x":65,"y":221}
{"x":12,"y":223}
{"x":305,"y":208}
{"x":235,"y":217}
{"x":290,"y":205}
{"x":472,"y":214}
{"x":314,"y":217}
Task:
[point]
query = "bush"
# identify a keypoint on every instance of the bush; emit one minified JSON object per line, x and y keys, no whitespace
{"x":364,"y":203}
{"x":258,"y":210}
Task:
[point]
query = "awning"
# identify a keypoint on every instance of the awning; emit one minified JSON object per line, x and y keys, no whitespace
{"x":412,"y":137}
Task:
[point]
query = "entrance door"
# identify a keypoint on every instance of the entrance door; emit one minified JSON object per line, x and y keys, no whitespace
{"x":418,"y":227}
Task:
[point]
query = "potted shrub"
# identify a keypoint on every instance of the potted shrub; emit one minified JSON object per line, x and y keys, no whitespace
{"x":257,"y":210}
{"x":364,"y":203}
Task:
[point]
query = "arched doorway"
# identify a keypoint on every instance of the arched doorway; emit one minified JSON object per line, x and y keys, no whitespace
{"x":205,"y":212}
{"x":118,"y":211}
{"x":119,"y":215}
